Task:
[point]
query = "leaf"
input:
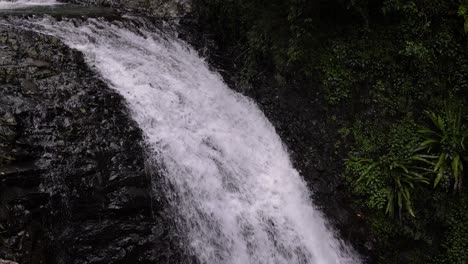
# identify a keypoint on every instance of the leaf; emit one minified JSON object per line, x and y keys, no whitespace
{"x":433,"y":118}
{"x":399,"y":200}
{"x":366,"y":172}
{"x":462,"y":10}
{"x":402,"y":167}
{"x":418,"y":177}
{"x":423,"y":157}
{"x":466,"y":26}
{"x":390,"y":206}
{"x":429,"y":141}
{"x":455,"y":167}
{"x":441,"y":124}
{"x":439,"y":177}
{"x":459,"y":115}
{"x":408,"y":203}
{"x":442,"y":158}
{"x":410,"y":209}
{"x":409,"y":182}
{"x":424,"y":168}
{"x":397,"y":180}
{"x":364,"y":160}
{"x":428,"y":131}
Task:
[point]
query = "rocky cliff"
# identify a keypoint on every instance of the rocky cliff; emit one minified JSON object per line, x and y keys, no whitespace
{"x":74,"y":186}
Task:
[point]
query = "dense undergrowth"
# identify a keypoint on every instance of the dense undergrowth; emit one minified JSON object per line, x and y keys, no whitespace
{"x":394,"y":74}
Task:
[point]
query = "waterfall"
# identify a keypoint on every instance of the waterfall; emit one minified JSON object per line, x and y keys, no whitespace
{"x":236,"y":195}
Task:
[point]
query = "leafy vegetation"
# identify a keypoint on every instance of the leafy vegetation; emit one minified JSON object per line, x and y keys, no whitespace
{"x":456,"y":240}
{"x":447,"y":141}
{"x":442,"y":152}
{"x":385,"y":70}
{"x":463,"y":12}
{"x":401,"y":177}
{"x":390,"y":168}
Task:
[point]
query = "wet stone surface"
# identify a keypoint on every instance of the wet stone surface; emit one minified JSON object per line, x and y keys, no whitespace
{"x":167,"y":9}
{"x":74,"y":186}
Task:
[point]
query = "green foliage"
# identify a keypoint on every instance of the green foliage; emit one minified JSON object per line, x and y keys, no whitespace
{"x":456,"y":241}
{"x":416,"y":50}
{"x":373,"y":189}
{"x":378,"y":65}
{"x":400,"y":176}
{"x":446,"y":139}
{"x":463,"y":12}
{"x":388,"y":179}
{"x":383,"y":226}
{"x":281,"y":36}
{"x":337,"y":84}
{"x":373,"y":170}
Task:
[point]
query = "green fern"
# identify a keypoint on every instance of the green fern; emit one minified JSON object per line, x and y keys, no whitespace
{"x":402,"y":177}
{"x":446,"y":140}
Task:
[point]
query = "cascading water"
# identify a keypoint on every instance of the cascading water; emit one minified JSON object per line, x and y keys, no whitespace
{"x":237,"y":196}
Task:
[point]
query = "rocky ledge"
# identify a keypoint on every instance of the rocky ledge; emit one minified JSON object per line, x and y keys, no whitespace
{"x":74,"y":186}
{"x":167,"y":9}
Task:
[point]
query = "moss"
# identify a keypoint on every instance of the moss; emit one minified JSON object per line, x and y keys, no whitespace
{"x":456,"y":240}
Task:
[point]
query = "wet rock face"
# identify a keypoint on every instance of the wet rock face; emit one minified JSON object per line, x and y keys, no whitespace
{"x":157,"y":8}
{"x":303,"y":124}
{"x":74,"y":187}
{"x":300,"y":116}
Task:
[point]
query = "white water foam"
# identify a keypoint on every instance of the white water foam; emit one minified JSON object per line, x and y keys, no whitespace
{"x":238,"y":198}
{"x":17,"y":4}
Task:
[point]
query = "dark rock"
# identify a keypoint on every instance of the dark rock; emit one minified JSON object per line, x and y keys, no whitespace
{"x":311,"y":139}
{"x":29,"y":87}
{"x":73,"y":184}
{"x":168,"y":9}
